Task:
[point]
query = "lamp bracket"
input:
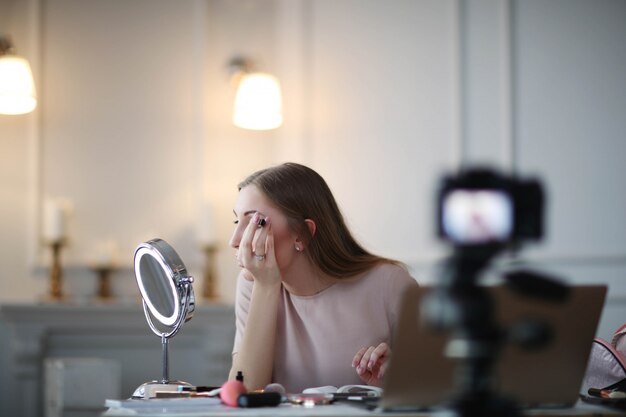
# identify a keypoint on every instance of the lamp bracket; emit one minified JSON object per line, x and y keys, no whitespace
{"x":6,"y":47}
{"x":239,"y":64}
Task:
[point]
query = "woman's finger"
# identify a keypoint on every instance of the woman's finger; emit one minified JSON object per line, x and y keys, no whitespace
{"x":259,"y":239}
{"x":357,"y":357}
{"x":269,"y":243}
{"x":382,"y":370}
{"x":245,"y":244}
{"x":365,"y":359}
{"x":378,"y":354}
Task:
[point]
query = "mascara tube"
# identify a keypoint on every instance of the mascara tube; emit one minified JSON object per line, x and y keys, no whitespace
{"x":259,"y":399}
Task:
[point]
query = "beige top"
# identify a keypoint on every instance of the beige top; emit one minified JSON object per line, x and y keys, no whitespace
{"x":318,"y":335}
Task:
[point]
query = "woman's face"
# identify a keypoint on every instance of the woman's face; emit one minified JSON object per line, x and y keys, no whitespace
{"x":250,"y":201}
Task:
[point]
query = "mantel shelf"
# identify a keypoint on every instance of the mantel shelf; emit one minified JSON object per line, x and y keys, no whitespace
{"x":96,"y":314}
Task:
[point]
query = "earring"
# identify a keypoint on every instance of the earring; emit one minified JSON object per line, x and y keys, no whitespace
{"x":298,"y":248}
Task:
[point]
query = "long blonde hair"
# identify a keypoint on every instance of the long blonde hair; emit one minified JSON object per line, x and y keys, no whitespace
{"x":301,"y":193}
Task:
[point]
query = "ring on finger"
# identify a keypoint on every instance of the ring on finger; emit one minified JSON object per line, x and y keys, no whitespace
{"x":259,"y":257}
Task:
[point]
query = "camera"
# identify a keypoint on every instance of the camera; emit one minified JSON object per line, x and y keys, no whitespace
{"x":482,"y":207}
{"x":482,"y":212}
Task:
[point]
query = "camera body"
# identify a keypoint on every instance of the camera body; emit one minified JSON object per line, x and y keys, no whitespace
{"x":482,"y":207}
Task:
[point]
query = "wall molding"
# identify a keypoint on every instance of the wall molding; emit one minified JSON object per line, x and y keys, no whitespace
{"x":509,"y":156}
{"x":33,"y":226}
{"x":616,"y":259}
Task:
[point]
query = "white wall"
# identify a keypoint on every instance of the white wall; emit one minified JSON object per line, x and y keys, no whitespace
{"x":381,"y":97}
{"x":17,"y":167}
{"x":569,"y":91}
{"x":384,"y":115}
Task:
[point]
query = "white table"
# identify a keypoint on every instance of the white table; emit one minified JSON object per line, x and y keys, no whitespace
{"x":186,"y":408}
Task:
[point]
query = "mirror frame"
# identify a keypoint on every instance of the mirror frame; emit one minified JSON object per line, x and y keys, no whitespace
{"x":176,"y":272}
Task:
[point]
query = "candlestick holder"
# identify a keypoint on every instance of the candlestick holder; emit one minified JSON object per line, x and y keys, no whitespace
{"x":104,"y":282}
{"x":56,"y":271}
{"x":208,"y":289}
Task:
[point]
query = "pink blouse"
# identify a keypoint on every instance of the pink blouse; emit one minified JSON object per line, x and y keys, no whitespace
{"x":318,"y":335}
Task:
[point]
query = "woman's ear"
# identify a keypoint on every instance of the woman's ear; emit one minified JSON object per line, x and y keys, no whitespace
{"x":301,"y":243}
{"x":311,"y":225}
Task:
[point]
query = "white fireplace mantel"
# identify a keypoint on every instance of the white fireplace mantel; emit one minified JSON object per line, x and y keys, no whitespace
{"x":30,"y":333}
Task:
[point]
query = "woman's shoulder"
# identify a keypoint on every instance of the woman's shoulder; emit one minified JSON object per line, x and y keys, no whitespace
{"x":390,"y":269}
{"x":387,"y":282}
{"x":389,"y":272}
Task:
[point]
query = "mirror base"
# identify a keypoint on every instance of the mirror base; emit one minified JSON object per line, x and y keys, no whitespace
{"x":149,"y":389}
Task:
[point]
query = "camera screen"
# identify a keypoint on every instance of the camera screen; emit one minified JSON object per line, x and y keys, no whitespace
{"x":477,"y":216}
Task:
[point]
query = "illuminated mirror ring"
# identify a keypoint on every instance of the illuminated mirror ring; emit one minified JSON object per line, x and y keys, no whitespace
{"x":163,"y":282}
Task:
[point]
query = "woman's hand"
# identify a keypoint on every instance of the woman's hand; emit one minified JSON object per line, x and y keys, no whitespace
{"x":371,"y":363}
{"x":256,"y":252}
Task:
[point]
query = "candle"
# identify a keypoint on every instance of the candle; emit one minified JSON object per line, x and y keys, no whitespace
{"x":105,"y":254}
{"x":54,"y":221}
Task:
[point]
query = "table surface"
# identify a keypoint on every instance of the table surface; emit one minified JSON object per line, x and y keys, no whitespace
{"x":195,"y":408}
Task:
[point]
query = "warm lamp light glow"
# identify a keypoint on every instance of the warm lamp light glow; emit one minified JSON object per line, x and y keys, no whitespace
{"x":17,"y":89}
{"x":258,"y":103}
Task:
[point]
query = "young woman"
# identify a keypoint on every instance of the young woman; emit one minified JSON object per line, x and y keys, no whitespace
{"x":313,"y":307}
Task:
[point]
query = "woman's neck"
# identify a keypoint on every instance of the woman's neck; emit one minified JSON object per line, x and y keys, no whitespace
{"x":304,"y":280}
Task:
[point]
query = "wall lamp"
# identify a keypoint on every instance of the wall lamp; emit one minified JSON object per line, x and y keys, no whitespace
{"x":17,"y":88}
{"x":258,"y":100}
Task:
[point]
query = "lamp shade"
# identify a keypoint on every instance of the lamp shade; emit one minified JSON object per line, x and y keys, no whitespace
{"x":17,"y":89}
{"x":258,"y":102}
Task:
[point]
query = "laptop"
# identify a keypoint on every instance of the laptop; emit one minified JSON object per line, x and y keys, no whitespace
{"x":420,"y":376}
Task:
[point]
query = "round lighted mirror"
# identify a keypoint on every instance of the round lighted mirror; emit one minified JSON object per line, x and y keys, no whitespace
{"x":159,"y":272}
{"x":167,"y":296}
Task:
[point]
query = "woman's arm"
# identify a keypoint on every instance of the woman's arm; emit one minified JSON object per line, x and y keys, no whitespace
{"x":371,"y":362}
{"x":255,"y":356}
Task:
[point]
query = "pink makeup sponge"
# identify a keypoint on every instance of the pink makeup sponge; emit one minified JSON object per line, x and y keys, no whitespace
{"x":231,"y":390}
{"x":275,"y":387}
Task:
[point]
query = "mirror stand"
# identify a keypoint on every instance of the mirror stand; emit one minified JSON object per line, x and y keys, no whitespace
{"x":150,"y":389}
{"x":168,"y":297}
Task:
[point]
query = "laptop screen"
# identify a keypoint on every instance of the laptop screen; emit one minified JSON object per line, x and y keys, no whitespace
{"x":421,"y":376}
